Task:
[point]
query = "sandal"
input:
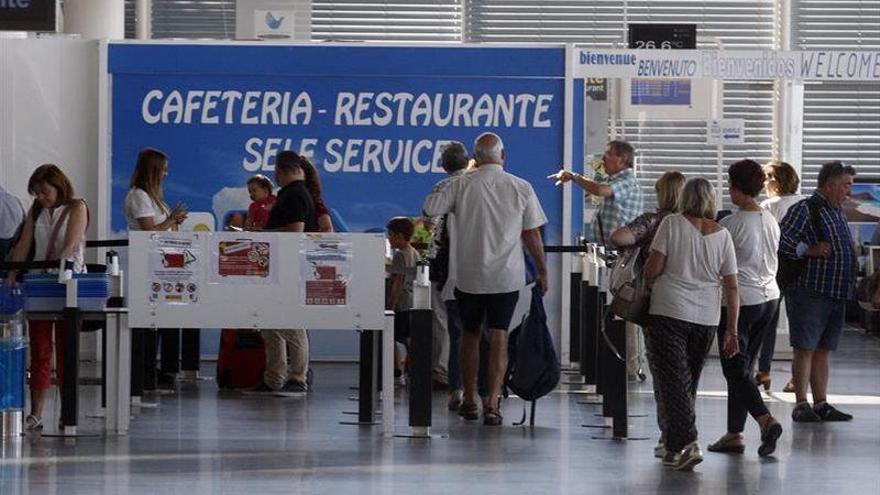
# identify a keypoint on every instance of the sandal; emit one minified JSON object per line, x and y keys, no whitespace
{"x":33,"y":423}
{"x":726,"y":445}
{"x":770,"y":433}
{"x":492,"y":417}
{"x":469,"y":411}
{"x":762,"y":379}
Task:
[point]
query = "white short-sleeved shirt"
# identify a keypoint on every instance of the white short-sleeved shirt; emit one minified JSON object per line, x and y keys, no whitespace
{"x":139,"y":204}
{"x":778,"y":206}
{"x":492,"y":208}
{"x":689,"y":289}
{"x":756,"y":239}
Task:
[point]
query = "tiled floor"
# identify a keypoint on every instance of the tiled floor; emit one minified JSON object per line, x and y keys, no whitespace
{"x":202,"y":441}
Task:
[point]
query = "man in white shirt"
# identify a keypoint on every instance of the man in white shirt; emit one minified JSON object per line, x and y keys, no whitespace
{"x":495,"y":213}
{"x":11,"y":218}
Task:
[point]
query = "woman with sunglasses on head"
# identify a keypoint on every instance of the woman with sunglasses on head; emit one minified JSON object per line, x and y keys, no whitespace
{"x":782,"y":186}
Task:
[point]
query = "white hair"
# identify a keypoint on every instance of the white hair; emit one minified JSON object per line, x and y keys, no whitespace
{"x":488,"y":150}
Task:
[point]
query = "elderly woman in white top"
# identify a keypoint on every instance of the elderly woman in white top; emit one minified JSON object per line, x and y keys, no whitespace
{"x":691,"y":258}
{"x":756,"y":239}
{"x":56,"y":228}
{"x":782,"y":186}
{"x":146,"y":209}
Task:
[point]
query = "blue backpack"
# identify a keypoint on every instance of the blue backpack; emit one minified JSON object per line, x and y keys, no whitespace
{"x":533,"y":368}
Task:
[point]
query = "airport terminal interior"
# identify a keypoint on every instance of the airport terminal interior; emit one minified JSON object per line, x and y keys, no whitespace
{"x":440,"y":246}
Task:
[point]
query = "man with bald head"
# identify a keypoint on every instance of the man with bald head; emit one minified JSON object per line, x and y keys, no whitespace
{"x":495,"y":214}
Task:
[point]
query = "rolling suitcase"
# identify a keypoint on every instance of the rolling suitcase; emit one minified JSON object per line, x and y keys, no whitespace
{"x":241,"y":359}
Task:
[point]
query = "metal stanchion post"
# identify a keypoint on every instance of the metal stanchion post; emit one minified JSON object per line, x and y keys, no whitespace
{"x":368,"y":378}
{"x":420,"y":332}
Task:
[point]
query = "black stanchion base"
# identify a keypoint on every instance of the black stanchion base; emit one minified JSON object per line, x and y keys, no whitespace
{"x":431,"y":436}
{"x":621,"y":439}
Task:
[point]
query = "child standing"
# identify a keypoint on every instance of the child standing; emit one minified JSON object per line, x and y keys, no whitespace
{"x":400,"y":294}
{"x":260,"y":190}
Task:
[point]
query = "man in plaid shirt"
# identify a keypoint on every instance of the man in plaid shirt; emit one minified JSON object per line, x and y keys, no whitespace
{"x":622,"y":196}
{"x":816,"y":229}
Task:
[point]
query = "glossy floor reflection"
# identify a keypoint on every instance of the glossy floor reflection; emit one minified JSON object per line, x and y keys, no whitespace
{"x":202,"y":441}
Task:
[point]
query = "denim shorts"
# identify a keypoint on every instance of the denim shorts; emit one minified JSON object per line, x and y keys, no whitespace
{"x":815,"y":321}
{"x":496,"y":310}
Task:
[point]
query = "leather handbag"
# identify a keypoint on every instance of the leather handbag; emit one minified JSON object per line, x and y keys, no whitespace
{"x":631,"y":294}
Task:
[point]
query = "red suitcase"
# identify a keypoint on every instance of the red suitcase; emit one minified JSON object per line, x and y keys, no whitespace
{"x":241,"y":360}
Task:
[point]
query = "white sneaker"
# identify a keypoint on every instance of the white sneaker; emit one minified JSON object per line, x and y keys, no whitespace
{"x":400,"y":381}
{"x":687,"y":458}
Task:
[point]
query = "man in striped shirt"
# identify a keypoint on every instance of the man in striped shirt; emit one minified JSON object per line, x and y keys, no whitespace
{"x":816,"y":229}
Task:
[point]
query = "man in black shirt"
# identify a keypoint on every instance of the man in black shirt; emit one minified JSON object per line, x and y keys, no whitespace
{"x":287,"y":350}
{"x":294,"y":210}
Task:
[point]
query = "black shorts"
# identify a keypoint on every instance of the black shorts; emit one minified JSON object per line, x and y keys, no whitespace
{"x":495,"y":309}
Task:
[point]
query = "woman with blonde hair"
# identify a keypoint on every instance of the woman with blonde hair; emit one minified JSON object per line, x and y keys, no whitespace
{"x":692,"y":258}
{"x":639,"y":234}
{"x":55,"y":227}
{"x":146,"y":209}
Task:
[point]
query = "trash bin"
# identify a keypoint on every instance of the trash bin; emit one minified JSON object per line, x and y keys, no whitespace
{"x":13,"y":360}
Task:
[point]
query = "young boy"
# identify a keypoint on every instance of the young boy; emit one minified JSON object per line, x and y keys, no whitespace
{"x":400,"y":294}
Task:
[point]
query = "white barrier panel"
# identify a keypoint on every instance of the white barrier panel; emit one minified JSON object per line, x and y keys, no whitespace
{"x":256,"y":280}
{"x":840,"y":65}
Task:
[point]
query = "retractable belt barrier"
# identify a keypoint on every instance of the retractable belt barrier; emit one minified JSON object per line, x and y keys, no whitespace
{"x":598,"y":338}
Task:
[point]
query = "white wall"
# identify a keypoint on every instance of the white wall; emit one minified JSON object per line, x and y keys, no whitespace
{"x":49,"y":114}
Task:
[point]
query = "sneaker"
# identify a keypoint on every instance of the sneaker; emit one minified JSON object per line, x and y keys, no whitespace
{"x":455,"y":399}
{"x":688,"y":458}
{"x":400,"y":381}
{"x":803,"y":413}
{"x":295,"y":387}
{"x":827,"y":412}
{"x":660,"y":450}
{"x":669,"y":459}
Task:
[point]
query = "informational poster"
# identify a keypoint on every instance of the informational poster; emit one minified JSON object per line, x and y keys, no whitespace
{"x":245,"y":261}
{"x":725,"y":131}
{"x":174,"y":273}
{"x":325,"y":270}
